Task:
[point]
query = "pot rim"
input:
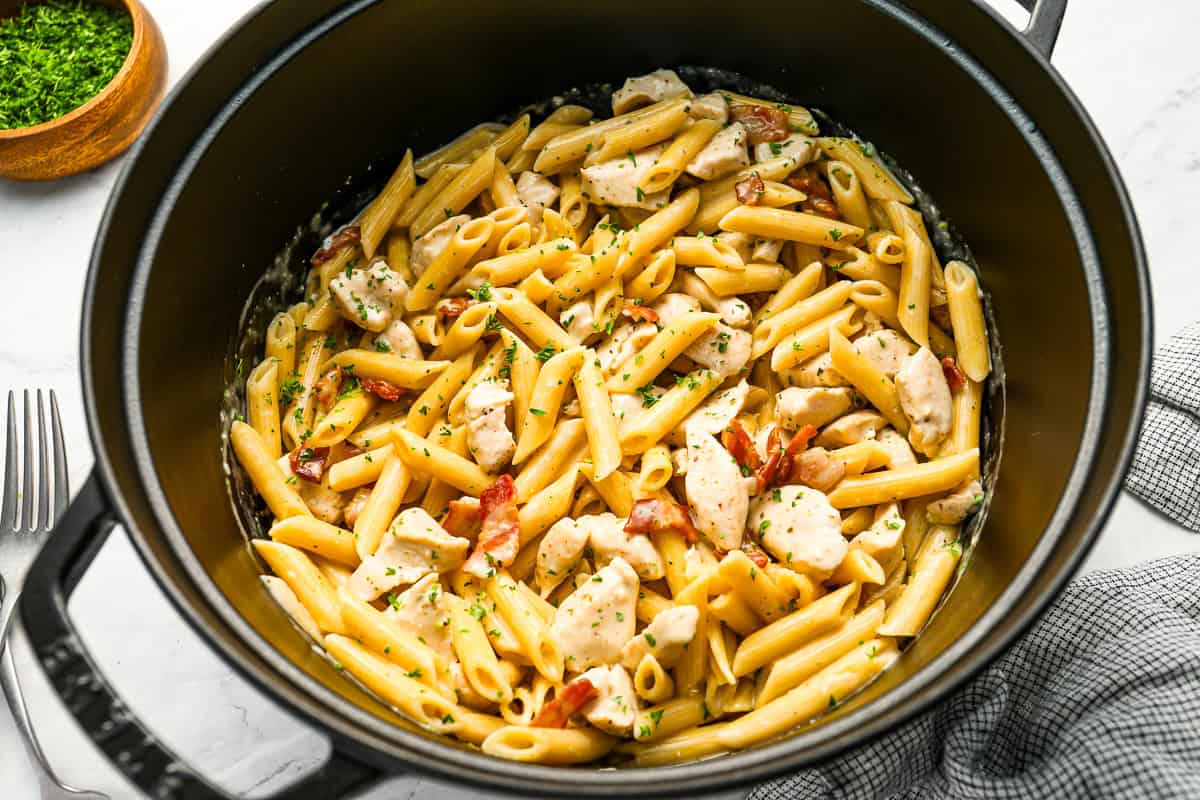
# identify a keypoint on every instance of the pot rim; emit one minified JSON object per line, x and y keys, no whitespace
{"x":386,"y":744}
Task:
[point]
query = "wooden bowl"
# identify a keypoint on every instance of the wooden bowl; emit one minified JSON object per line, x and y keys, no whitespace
{"x":100,"y":129}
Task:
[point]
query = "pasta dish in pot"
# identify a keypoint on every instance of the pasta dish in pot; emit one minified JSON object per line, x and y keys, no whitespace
{"x":642,"y":438}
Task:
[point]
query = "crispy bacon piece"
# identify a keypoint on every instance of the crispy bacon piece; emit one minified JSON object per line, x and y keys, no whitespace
{"x":639,"y":313}
{"x":574,"y":696}
{"x":652,"y":515}
{"x":308,"y":462}
{"x":349,"y":235}
{"x":820,"y":197}
{"x":818,"y":469}
{"x":741,"y":447}
{"x":749,"y":191}
{"x":755,"y":554}
{"x":766,"y":473}
{"x":763,"y":124}
{"x":500,"y":529}
{"x":787,"y":462}
{"x":382,"y":389}
{"x":453,"y":306}
{"x":954,"y":375}
{"x":327,"y":388}
{"x":462,"y":518}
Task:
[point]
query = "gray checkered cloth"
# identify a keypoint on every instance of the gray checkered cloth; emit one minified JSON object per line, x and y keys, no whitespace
{"x":1112,"y":710}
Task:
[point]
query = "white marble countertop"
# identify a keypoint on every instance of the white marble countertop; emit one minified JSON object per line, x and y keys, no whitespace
{"x":1135,"y":66}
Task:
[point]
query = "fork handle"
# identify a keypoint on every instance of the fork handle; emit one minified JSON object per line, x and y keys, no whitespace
{"x":108,"y":722}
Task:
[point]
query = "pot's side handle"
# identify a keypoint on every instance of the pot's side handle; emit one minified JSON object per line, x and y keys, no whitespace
{"x":130,"y":746}
{"x":1045,"y":21}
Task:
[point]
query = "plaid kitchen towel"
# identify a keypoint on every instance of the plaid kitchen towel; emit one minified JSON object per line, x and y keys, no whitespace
{"x":1101,"y":699}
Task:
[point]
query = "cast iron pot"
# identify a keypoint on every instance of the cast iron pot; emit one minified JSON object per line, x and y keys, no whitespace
{"x":301,"y":94}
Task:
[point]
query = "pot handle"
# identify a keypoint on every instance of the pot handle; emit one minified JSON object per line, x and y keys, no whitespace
{"x":1045,"y":21}
{"x":107,"y":721}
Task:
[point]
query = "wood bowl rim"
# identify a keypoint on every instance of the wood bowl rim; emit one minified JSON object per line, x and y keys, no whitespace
{"x":137,"y":13}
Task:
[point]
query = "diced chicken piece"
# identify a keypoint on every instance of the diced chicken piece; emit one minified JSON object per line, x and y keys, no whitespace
{"x":716,"y":491}
{"x":817,"y":371}
{"x":597,"y":619}
{"x":665,"y":637}
{"x":798,"y":407}
{"x":398,"y":338}
{"x":616,"y":707}
{"x":536,"y":193}
{"x":617,"y":182}
{"x":609,"y":541}
{"x":742,"y":242}
{"x":283,"y":594}
{"x":367,"y":297}
{"x":735,"y":312}
{"x":430,"y":246}
{"x":767,"y":250}
{"x":711,"y":106}
{"x":800,"y":148}
{"x":414,"y":546}
{"x":800,"y":529}
{"x":817,"y":469}
{"x":883,"y":537}
{"x":673,"y":305}
{"x":325,"y":504}
{"x":925,"y":399}
{"x":855,"y":427}
{"x":578,"y":319}
{"x":662,"y":84}
{"x":422,"y":611}
{"x":725,"y":153}
{"x":722,"y":349}
{"x":715,"y":413}
{"x":679,"y":459}
{"x":358,"y":501}
{"x":559,"y":552}
{"x":488,"y":437}
{"x":954,"y":507}
{"x":886,"y":349}
{"x":872,"y":323}
{"x":626,"y":341}
{"x":898,"y":451}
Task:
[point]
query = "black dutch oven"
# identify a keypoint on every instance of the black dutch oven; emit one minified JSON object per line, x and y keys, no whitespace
{"x":301,"y":94}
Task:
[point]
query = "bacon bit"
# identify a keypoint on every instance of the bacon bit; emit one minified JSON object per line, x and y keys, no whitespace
{"x":820,"y":197}
{"x":749,"y":191}
{"x":327,"y":388}
{"x":349,"y":235}
{"x":639,"y":313}
{"x":741,"y":447}
{"x":770,"y":467}
{"x":763,"y":124}
{"x":453,"y":306}
{"x":350,"y":449}
{"x":308,"y":462}
{"x":387,"y":391}
{"x":357,"y":503}
{"x":817,"y":469}
{"x":500,"y":529}
{"x":462,"y":519}
{"x":954,"y":375}
{"x":574,"y":696}
{"x":755,"y":554}
{"x":787,"y":463}
{"x":652,"y":515}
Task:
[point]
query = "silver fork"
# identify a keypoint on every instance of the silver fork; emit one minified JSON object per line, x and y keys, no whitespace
{"x":27,"y":516}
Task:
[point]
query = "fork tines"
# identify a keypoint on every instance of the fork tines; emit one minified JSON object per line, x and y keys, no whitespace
{"x":39,"y":501}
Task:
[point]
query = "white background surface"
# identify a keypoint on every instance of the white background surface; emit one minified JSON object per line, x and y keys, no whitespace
{"x":1136,"y":67}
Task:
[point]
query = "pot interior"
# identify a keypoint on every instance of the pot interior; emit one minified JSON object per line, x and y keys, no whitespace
{"x":372,"y":79}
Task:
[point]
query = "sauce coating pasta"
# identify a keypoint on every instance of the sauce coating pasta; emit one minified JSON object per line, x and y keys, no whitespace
{"x":639,"y":439}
